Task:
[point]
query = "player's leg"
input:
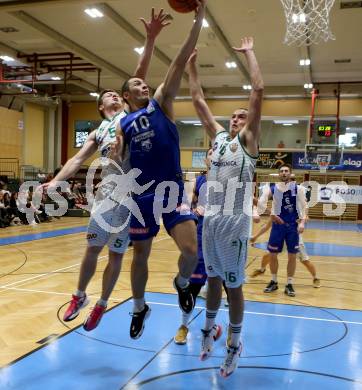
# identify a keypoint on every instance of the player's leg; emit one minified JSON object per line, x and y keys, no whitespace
{"x":97,"y":238}
{"x":292,"y":241}
{"x":184,"y":235}
{"x":142,"y":237}
{"x":211,"y":331}
{"x":139,"y":277}
{"x":87,"y":270}
{"x":110,"y":277}
{"x":183,"y":330}
{"x":265,"y":260}
{"x":275,"y":246}
{"x":234,"y":271}
{"x":303,"y":257}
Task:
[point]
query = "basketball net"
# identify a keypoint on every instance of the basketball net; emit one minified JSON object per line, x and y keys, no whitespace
{"x":307,"y":21}
{"x":323,"y":162}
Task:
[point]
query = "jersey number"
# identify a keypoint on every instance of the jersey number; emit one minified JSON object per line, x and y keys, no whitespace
{"x":118,"y":243}
{"x":230,"y":277}
{"x":143,"y":122}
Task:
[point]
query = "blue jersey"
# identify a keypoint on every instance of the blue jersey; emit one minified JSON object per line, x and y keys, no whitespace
{"x":153,"y":143}
{"x":286,"y":202}
{"x":201,"y":201}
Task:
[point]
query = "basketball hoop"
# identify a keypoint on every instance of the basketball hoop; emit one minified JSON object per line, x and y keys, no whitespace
{"x":323,"y":161}
{"x":323,"y":166}
{"x":307,"y":21}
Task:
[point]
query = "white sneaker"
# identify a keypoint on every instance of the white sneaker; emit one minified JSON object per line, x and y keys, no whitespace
{"x":33,"y":223}
{"x":231,"y":361}
{"x":208,"y":338}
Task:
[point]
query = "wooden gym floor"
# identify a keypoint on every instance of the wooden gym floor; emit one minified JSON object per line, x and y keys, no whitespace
{"x":40,"y":265}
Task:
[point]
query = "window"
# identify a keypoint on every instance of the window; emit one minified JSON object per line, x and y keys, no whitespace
{"x":82,"y":130}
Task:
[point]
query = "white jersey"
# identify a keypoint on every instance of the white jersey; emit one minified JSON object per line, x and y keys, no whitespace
{"x":230,"y":184}
{"x":105,"y":136}
{"x":108,"y":214}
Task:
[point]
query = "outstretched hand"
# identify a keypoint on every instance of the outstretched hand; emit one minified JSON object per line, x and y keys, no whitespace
{"x":156,"y":24}
{"x":247,"y":44}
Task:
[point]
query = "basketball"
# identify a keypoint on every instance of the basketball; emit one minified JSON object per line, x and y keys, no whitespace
{"x":183,"y":6}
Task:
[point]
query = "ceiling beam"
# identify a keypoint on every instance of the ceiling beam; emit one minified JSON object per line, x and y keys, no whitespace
{"x":128,"y":27}
{"x":15,"y":5}
{"x":224,"y":41}
{"x":69,"y":44}
{"x":5,"y":49}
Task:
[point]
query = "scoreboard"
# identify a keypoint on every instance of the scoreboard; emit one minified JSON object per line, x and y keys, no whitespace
{"x":326,"y":129}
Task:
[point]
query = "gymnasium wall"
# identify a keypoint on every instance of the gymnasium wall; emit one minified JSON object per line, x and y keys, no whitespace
{"x":224,"y":108}
{"x":11,"y":136}
{"x":34,"y":135}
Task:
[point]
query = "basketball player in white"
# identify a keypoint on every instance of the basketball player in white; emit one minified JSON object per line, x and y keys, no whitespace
{"x":111,"y":108}
{"x":225,"y":234}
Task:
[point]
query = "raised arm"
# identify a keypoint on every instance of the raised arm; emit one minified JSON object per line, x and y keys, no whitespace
{"x":72,"y":166}
{"x":153,"y":28}
{"x":198,"y":99}
{"x":167,"y":91}
{"x":250,"y":134}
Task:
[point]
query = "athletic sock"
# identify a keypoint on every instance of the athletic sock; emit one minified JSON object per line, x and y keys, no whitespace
{"x":274,"y":278}
{"x":102,"y":302}
{"x":235,"y":334}
{"x":138,"y":304}
{"x":210,"y":319}
{"x":181,"y":281}
{"x":79,"y":293}
{"x":290,"y":280}
{"x":262,"y":269}
{"x":185,"y":319}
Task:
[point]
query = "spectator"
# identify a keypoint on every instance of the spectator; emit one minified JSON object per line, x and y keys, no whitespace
{"x":281,"y":145}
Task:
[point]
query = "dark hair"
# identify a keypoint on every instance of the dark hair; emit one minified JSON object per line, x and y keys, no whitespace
{"x":286,"y":166}
{"x":100,"y":100}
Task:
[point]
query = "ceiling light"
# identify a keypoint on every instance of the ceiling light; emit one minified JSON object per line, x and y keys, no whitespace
{"x":308,"y":86}
{"x":198,"y":124}
{"x":247,"y":87}
{"x":205,"y":23}
{"x":94,"y":94}
{"x":287,"y":124}
{"x":56,"y":78}
{"x":305,"y":62}
{"x":284,"y":121}
{"x":139,"y":50}
{"x":93,"y":13}
{"x":7,"y":58}
{"x":190,"y":122}
{"x":230,"y":64}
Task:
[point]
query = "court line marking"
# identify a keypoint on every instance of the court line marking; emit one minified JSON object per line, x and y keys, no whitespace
{"x":269,"y":314}
{"x":55,"y":272}
{"x":38,"y":291}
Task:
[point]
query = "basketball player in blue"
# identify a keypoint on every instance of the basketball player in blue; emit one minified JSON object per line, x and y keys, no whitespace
{"x":111,"y":108}
{"x":288,"y":215}
{"x":151,"y":136}
{"x":199,"y":276}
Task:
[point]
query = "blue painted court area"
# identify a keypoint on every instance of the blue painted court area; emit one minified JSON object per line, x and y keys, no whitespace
{"x":324,"y":249}
{"x":333,"y":225}
{"x":285,"y":346}
{"x":41,"y":235}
